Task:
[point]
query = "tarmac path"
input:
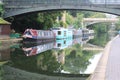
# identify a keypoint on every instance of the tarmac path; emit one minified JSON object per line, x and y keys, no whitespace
{"x":108,"y":67}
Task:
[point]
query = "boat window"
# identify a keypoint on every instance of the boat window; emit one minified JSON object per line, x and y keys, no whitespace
{"x":28,"y":33}
{"x":50,"y":33}
{"x":64,"y":42}
{"x":40,"y":33}
{"x":59,"y":45}
{"x":44,"y":33}
{"x":59,"y":32}
{"x":64,"y":33}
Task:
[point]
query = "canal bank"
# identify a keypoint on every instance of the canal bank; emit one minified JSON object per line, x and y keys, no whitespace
{"x":8,"y":39}
{"x":101,"y":71}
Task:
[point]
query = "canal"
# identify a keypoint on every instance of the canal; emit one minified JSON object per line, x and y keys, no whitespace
{"x":67,"y":59}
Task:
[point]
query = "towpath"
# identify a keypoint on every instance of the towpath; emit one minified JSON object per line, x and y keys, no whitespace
{"x":108,"y":67}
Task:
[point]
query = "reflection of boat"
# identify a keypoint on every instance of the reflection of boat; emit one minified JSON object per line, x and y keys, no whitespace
{"x":63,"y":43}
{"x":38,"y":49}
{"x":60,"y":44}
{"x":91,"y":37}
{"x":77,"y":40}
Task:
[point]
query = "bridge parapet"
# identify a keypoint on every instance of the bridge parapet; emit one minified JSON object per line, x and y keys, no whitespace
{"x":100,"y":19}
{"x":32,"y":3}
{"x":90,"y":21}
{"x":16,"y":7}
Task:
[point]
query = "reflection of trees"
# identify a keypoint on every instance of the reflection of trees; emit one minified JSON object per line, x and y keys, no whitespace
{"x":45,"y":62}
{"x":78,"y":60}
{"x":50,"y":61}
{"x":1,"y":72}
{"x":100,"y":39}
{"x":101,"y":31}
{"x":20,"y":60}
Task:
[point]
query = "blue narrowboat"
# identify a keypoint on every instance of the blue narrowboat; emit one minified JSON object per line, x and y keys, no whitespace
{"x":62,"y":33}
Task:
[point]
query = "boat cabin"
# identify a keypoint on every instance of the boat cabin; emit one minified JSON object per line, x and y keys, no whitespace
{"x":62,"y":33}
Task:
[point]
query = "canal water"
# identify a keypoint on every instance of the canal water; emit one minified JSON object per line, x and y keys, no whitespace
{"x":66,"y":59}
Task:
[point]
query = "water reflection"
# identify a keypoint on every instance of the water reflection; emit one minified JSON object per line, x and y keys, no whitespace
{"x":57,"y":45}
{"x":4,"y":55}
{"x":58,"y":60}
{"x":63,"y":43}
{"x":37,"y":49}
{"x":5,"y":50}
{"x":61,"y":58}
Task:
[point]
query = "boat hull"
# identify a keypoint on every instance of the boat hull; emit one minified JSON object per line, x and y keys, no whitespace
{"x":31,"y":40}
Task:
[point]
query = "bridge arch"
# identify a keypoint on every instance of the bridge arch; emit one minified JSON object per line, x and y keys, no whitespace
{"x":60,"y":7}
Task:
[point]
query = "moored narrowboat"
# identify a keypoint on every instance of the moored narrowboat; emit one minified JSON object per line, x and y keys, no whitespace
{"x":77,"y":33}
{"x":62,"y":33}
{"x":34,"y":35}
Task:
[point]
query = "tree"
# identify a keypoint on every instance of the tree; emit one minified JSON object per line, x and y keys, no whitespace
{"x":69,"y":19}
{"x":1,"y":9}
{"x":43,"y":20}
{"x":118,"y":24}
{"x":48,"y":18}
{"x":78,"y":20}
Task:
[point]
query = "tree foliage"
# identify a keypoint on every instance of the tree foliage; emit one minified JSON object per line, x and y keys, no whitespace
{"x":76,"y":59}
{"x":43,"y":20}
{"x":118,"y":24}
{"x":45,"y":62}
{"x":1,"y":9}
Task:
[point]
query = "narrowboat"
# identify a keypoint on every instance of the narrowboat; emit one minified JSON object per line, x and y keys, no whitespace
{"x":77,"y":40}
{"x":62,"y":33}
{"x":91,"y":32}
{"x":77,"y":33}
{"x":34,"y":35}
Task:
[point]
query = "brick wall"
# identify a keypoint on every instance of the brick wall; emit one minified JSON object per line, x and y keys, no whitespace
{"x":5,"y":30}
